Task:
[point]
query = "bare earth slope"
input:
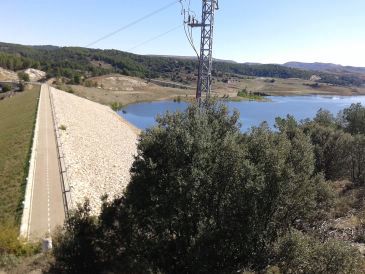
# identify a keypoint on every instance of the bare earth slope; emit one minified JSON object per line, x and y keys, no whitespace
{"x":98,"y":147}
{"x":7,"y":75}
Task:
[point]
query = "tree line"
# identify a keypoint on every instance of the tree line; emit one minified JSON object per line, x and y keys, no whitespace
{"x":75,"y":63}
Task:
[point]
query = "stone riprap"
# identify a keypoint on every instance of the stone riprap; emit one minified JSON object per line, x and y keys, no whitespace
{"x":98,"y":147}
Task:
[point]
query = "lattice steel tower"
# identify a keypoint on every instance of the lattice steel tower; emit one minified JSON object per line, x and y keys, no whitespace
{"x":206,"y":44}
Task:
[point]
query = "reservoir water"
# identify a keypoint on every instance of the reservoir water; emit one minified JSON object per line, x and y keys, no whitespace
{"x":142,"y":115}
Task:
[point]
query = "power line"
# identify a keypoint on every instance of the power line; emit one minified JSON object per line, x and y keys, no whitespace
{"x":155,"y":38}
{"x":132,"y":23}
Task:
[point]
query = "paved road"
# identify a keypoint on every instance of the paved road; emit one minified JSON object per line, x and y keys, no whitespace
{"x":46,"y":209}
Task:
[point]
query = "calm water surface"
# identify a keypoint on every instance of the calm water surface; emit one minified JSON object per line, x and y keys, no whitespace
{"x":143,"y":115}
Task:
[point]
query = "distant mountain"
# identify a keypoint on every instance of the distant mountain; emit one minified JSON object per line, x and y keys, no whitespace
{"x":326,"y":67}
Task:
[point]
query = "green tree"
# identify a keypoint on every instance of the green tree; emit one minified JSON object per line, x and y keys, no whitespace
{"x":353,"y":119}
{"x":76,"y":250}
{"x":23,"y":76}
{"x":358,"y":159}
{"x":203,"y":198}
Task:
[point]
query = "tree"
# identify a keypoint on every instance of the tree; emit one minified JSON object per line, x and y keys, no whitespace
{"x":358,"y":159}
{"x":353,"y":119}
{"x":23,"y":76}
{"x":203,"y":197}
{"x":324,"y":118}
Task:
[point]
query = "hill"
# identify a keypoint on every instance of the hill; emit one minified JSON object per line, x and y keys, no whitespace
{"x":326,"y":67}
{"x":77,"y":64}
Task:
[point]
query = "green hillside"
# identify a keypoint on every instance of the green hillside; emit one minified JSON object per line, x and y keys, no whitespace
{"x":17,"y":118}
{"x":77,"y":64}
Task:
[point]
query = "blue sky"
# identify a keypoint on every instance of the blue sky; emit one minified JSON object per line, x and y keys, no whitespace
{"x":266,"y":31}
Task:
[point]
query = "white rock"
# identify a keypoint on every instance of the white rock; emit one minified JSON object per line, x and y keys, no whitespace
{"x":98,"y":147}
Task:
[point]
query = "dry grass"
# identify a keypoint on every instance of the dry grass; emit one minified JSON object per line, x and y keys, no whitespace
{"x":282,"y":87}
{"x":123,"y":90}
{"x":17,"y":118}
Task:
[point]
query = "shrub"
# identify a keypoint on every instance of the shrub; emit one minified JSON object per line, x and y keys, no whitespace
{"x":89,"y":84}
{"x":62,"y":127}
{"x":74,"y":248}
{"x":116,"y":106}
{"x":6,"y":88}
{"x":12,"y":247}
{"x":298,"y":253}
{"x":23,"y":76}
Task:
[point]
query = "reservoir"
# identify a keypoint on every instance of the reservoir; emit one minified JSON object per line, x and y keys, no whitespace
{"x":142,"y":115}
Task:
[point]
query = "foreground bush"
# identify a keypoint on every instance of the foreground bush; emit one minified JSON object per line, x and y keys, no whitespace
{"x":12,"y":247}
{"x":203,"y":198}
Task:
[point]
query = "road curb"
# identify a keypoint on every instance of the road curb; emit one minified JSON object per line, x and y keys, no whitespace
{"x":25,"y":222}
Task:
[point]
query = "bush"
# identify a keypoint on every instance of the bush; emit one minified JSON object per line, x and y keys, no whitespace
{"x":89,"y":84}
{"x":298,"y":253}
{"x":116,"y":106}
{"x":62,"y":127}
{"x":12,"y":248}
{"x":23,"y":76}
{"x":67,"y":89}
{"x":74,"y":248}
{"x":6,"y":88}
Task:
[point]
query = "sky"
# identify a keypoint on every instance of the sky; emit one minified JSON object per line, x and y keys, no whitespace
{"x":264,"y":31}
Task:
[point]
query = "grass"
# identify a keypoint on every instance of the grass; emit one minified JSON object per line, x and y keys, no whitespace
{"x":246,"y":95}
{"x":13,"y":250}
{"x":116,"y":106}
{"x":68,"y":89}
{"x":17,"y":119}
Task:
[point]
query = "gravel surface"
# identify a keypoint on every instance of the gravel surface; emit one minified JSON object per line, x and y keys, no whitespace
{"x":98,"y":146}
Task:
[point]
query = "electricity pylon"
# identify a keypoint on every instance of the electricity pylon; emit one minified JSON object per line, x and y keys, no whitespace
{"x":206,"y":46}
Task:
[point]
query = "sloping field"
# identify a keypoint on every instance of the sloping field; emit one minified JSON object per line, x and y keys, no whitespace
{"x":128,"y":90}
{"x":7,"y":75}
{"x":17,"y":118}
{"x":98,"y":148}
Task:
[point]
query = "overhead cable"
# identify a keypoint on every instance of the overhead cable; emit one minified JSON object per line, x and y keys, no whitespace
{"x":132,"y":23}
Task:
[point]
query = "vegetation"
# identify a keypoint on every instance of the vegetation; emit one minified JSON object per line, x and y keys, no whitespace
{"x":299,"y":253}
{"x":339,"y":144}
{"x":245,"y":94}
{"x":78,"y":64}
{"x":18,"y":115}
{"x":16,"y":126}
{"x":116,"y":106}
{"x":206,"y":198}
{"x":68,"y":89}
{"x":12,"y":249}
{"x":6,"y":88}
{"x":23,"y":76}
